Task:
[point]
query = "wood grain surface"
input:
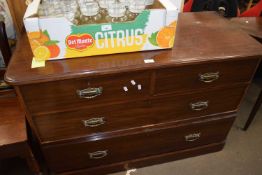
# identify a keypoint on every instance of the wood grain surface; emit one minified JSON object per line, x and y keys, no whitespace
{"x":61,"y":95}
{"x":145,"y":144}
{"x":12,"y":122}
{"x":140,"y":127}
{"x":130,"y":117}
{"x":189,"y":77}
{"x":149,"y":160}
{"x":198,"y":39}
{"x":251,"y":25}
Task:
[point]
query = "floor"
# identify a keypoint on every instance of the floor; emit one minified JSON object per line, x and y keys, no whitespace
{"x":242,"y":154}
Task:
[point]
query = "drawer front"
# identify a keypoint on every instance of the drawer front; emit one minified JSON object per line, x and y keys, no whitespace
{"x":204,"y":75}
{"x":73,"y":156}
{"x":61,"y":126}
{"x":85,"y":92}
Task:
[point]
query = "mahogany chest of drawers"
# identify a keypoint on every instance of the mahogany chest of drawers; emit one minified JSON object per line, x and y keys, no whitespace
{"x":102,"y":114}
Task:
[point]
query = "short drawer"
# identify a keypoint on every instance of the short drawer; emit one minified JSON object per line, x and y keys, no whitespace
{"x":204,"y":75}
{"x":85,"y":92}
{"x":90,"y":122}
{"x":73,"y":156}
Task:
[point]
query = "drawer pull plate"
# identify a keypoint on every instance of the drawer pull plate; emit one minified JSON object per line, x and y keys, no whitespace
{"x":192,"y":137}
{"x":89,"y":93}
{"x":98,"y":154}
{"x":94,"y":122}
{"x":199,"y":106}
{"x":209,"y":77}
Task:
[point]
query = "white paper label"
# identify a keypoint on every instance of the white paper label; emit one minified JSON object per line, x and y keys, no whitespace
{"x":149,"y":61}
{"x":106,"y":27}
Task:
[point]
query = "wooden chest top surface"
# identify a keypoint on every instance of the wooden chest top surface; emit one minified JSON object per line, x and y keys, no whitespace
{"x":201,"y":37}
{"x":251,"y":25}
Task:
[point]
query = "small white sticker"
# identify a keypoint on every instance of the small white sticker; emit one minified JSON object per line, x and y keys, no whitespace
{"x":139,"y":87}
{"x":149,"y":61}
{"x":106,"y":27}
{"x":133,"y":82}
{"x":125,"y":88}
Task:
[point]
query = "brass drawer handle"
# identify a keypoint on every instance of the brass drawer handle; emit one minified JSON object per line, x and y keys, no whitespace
{"x":89,"y":93}
{"x":98,"y":154}
{"x":94,"y":122}
{"x":192,"y":137}
{"x":199,"y":106}
{"x":209,"y":77}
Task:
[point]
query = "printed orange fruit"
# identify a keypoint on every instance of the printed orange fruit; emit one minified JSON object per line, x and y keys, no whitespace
{"x":165,"y":37}
{"x":39,"y":36}
{"x":41,"y":53}
{"x":54,"y":50}
{"x":173,"y":24}
{"x":34,"y":44}
{"x":33,"y":35}
{"x":43,"y":38}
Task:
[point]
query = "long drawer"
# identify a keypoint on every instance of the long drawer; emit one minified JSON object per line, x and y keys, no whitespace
{"x":85,"y":92}
{"x":204,"y":75}
{"x":80,"y":123}
{"x":73,"y":156}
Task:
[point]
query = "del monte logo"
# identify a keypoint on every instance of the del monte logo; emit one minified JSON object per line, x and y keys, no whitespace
{"x":79,"y":42}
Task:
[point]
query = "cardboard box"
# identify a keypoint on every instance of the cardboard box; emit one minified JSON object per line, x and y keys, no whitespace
{"x":57,"y":38}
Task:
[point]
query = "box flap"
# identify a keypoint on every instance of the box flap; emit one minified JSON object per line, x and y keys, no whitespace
{"x":32,"y":9}
{"x":32,"y":24}
{"x":169,"y":5}
{"x":172,"y":10}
